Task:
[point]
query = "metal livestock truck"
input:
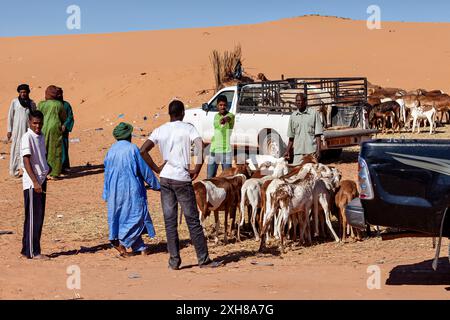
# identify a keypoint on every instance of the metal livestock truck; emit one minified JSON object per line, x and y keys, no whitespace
{"x":263,"y":109}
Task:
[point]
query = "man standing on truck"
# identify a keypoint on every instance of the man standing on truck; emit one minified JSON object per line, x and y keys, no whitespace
{"x":220,"y":151}
{"x":304,"y":131}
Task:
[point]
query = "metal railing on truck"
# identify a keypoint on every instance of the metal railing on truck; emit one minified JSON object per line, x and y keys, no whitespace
{"x":279,"y":96}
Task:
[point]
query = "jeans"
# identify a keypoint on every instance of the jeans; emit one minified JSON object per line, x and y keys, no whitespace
{"x":182,"y":192}
{"x":215,"y":159}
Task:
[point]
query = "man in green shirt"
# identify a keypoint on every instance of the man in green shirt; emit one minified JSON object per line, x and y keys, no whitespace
{"x":304,"y":131}
{"x":220,"y":150}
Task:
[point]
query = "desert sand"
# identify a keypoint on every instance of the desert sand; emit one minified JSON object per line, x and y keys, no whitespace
{"x":110,"y":78}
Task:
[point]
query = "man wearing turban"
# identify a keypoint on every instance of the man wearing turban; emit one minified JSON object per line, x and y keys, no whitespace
{"x":54,"y":118}
{"x":126,"y":195}
{"x":18,"y":125}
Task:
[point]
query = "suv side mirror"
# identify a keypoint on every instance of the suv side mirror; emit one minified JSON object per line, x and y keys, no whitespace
{"x":205,"y":107}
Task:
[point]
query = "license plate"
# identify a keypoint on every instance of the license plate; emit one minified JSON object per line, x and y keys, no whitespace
{"x":339,"y":141}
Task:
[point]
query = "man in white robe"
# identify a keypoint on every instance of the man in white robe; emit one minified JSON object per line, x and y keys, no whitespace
{"x":18,"y":126}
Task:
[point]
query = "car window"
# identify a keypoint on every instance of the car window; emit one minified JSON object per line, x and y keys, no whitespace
{"x":230,"y":97}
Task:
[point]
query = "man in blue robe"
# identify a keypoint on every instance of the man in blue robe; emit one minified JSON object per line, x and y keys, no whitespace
{"x":125,"y":192}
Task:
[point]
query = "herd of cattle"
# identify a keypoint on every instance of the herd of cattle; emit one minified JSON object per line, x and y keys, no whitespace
{"x":282,"y":200}
{"x":396,"y":108}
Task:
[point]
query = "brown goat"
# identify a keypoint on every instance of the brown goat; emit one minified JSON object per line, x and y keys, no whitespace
{"x":229,"y":204}
{"x":239,"y":169}
{"x":346,"y":193}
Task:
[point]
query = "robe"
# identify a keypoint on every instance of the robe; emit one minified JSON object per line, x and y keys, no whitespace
{"x":54,"y":118}
{"x":125,"y":192}
{"x":18,"y":126}
{"x":65,"y":142}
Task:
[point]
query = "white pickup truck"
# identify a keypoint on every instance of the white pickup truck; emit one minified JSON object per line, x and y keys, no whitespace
{"x":262,"y":112}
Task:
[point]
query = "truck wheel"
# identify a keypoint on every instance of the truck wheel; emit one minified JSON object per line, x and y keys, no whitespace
{"x":272,"y":145}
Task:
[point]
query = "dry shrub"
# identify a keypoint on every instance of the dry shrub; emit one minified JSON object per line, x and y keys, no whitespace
{"x":225,"y":64}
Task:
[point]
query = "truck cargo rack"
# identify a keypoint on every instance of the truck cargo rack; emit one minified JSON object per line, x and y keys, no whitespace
{"x":279,"y":96}
{"x":346,"y":96}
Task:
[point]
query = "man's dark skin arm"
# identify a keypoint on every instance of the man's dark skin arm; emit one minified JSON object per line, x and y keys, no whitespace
{"x":198,"y":154}
{"x":145,"y":149}
{"x":287,"y":154}
{"x":319,"y":144}
{"x":27,"y":163}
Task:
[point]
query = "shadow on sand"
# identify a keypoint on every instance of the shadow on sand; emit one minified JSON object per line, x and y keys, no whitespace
{"x":420,"y":274}
{"x":155,"y":248}
{"x":227,"y":258}
{"x":83,"y":171}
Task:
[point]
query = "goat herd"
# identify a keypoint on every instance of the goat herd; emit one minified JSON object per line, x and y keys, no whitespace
{"x":282,"y":200}
{"x":395,"y":108}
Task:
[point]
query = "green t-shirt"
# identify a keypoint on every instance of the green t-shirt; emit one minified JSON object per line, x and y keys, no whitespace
{"x":221,"y":140}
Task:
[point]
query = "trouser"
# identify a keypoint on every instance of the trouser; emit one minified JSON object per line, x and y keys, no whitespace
{"x":215,"y":159}
{"x":34,"y":220}
{"x":172,"y":193}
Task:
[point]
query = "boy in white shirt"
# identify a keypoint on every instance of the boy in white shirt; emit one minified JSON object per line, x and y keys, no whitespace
{"x":35,"y":174}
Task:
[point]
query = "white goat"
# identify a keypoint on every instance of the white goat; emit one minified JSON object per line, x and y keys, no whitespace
{"x":323,"y":194}
{"x":250,"y":195}
{"x":421,"y":112}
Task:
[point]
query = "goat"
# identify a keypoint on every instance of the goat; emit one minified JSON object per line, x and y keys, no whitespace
{"x":266,"y":192}
{"x":290,"y":199}
{"x":384,"y":110}
{"x":217,"y":194}
{"x":423,"y":112}
{"x":347,"y":191}
{"x":251,"y":195}
{"x":270,"y":212}
{"x":239,"y":169}
{"x":323,"y":193}
{"x":440,"y":102}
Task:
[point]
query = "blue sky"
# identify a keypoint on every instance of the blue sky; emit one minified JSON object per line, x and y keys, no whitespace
{"x":48,"y":17}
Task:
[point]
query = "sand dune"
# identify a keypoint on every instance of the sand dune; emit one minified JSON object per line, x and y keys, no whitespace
{"x":105,"y":70}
